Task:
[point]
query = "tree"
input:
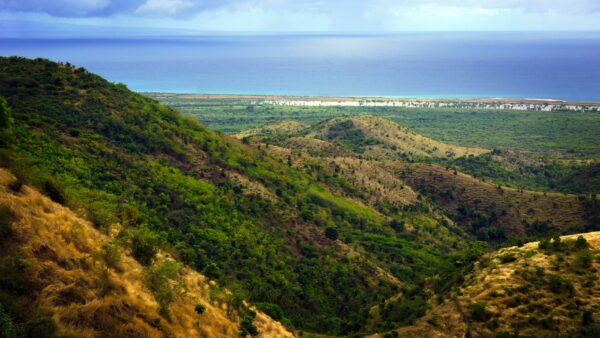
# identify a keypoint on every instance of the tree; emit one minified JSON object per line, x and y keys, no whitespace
{"x":5,"y":114}
{"x":144,"y":245}
{"x":331,"y":233}
{"x":199,"y":309}
{"x":581,"y":243}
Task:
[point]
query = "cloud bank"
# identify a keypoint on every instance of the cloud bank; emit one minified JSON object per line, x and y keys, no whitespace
{"x":314,"y":15}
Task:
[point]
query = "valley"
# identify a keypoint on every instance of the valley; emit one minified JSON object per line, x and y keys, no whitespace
{"x":182,"y":216}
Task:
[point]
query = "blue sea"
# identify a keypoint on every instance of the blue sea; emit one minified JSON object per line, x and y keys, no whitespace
{"x":516,"y":65}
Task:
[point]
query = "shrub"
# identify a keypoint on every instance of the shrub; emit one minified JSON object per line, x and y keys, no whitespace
{"x":587,"y":318}
{"x":42,"y":327}
{"x":54,"y":191}
{"x":585,"y":258}
{"x":7,"y":326}
{"x":331,"y":233}
{"x":508,"y":258}
{"x":112,"y":254}
{"x":144,"y":245}
{"x":160,"y":278}
{"x":581,"y":243}
{"x":7,"y":217}
{"x":16,"y":185}
{"x":272,"y":310}
{"x":557,"y":284}
{"x":478,"y":311}
{"x":199,"y":309}
{"x":247,"y":327}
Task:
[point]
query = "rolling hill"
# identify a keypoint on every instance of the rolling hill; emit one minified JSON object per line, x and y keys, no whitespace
{"x":389,"y":163}
{"x":301,"y":245}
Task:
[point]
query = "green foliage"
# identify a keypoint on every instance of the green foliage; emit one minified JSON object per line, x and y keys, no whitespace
{"x":54,"y":191}
{"x":587,"y":318}
{"x":7,"y":217}
{"x":121,"y":157}
{"x":585,"y":258}
{"x":199,"y":308}
{"x":273,"y":311}
{"x":478,"y":311}
{"x":573,"y":133}
{"x":112,"y":254}
{"x":347,"y":135}
{"x":144,"y":245}
{"x":5,"y":114}
{"x":558,"y":284}
{"x":247,"y":327}
{"x":165,"y":283}
{"x":8,"y":328}
{"x":331,"y":233}
{"x":42,"y":327}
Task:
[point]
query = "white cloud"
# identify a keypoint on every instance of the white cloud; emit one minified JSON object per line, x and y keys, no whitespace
{"x":164,"y":7}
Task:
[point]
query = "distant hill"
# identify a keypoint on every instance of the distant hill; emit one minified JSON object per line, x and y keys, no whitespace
{"x":390,"y":163}
{"x":381,"y":138}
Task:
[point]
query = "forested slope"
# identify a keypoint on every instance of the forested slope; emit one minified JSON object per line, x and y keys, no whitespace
{"x":284,"y":239}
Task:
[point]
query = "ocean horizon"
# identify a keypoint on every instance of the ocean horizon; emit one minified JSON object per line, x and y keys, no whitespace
{"x":549,"y":66}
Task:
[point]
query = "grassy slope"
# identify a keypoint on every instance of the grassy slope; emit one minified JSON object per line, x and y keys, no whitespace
{"x":67,"y":275}
{"x":229,"y":210}
{"x":523,"y":291}
{"x":387,"y":139}
{"x":514,"y":209}
{"x":476,"y":203}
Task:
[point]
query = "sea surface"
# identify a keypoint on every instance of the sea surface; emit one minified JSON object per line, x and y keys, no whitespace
{"x":514,"y":65}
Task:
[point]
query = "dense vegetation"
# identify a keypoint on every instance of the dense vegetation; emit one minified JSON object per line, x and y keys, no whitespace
{"x":569,"y":133}
{"x":117,"y":157}
{"x":556,"y":151}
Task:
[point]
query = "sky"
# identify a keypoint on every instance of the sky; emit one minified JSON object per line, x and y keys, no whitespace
{"x":32,"y":18}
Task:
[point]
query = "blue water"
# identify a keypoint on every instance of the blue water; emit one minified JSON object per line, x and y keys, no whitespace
{"x":525,"y":65}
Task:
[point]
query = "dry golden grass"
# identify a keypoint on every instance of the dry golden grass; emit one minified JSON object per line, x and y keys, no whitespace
{"x":396,"y":139}
{"x":88,"y":298}
{"x":514,"y":303}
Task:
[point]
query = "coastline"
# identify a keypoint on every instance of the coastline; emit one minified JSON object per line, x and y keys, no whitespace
{"x":353,"y":101}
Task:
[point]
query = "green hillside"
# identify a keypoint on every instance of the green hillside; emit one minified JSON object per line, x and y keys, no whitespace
{"x":273,"y":234}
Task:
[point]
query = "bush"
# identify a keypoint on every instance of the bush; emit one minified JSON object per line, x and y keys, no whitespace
{"x":272,"y":310}
{"x":508,"y":258}
{"x":165,"y":283}
{"x":16,"y":185}
{"x":478,"y":311}
{"x":112,"y":254}
{"x":144,"y":245}
{"x":585,"y":258}
{"x":557,"y":284}
{"x":7,"y":217}
{"x":581,"y":243}
{"x":43,"y":327}
{"x":199,"y":309}
{"x":587,"y":318}
{"x":7,"y":326}
{"x":54,"y":191}
{"x":331,"y":233}
{"x":247,"y":327}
